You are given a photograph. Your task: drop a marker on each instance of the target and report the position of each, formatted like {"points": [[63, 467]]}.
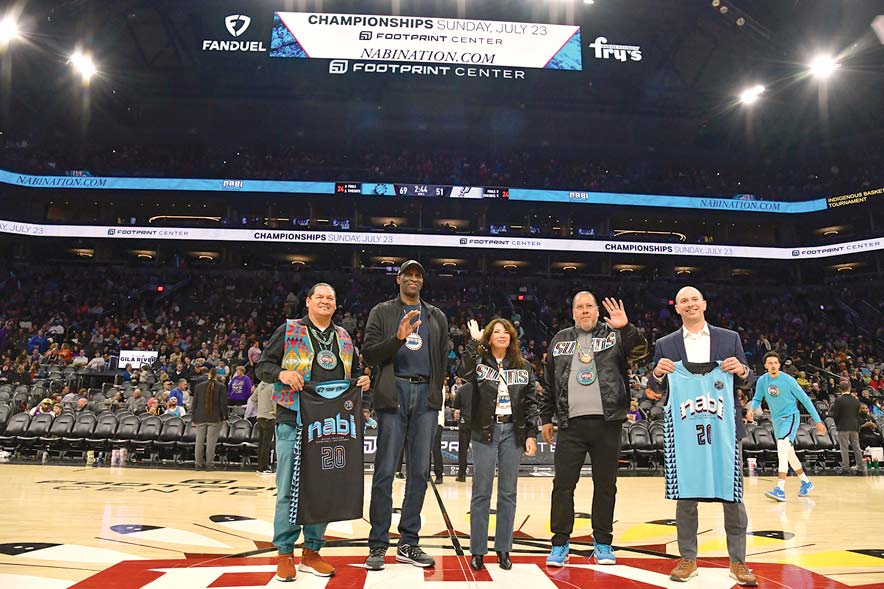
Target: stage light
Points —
{"points": [[8, 30], [822, 66], [750, 95], [83, 65]]}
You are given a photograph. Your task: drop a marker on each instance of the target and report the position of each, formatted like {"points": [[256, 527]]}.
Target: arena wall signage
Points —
{"points": [[429, 40], [507, 244], [428, 191], [137, 358]]}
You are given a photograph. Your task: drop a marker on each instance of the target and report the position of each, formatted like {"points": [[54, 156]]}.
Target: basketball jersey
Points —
{"points": [[331, 470], [701, 450]]}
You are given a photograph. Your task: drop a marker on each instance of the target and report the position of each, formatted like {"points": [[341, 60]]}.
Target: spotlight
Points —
{"points": [[750, 95], [822, 66], [8, 30], [741, 21], [83, 65]]}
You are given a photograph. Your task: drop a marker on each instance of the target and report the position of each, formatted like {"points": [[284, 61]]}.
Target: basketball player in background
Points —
{"points": [[699, 342], [782, 392]]}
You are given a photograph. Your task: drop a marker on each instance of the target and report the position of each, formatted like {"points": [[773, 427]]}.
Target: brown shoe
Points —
{"points": [[311, 562], [686, 569], [285, 567], [743, 575]]}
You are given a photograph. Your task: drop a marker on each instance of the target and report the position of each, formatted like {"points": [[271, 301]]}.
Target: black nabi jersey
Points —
{"points": [[331, 474]]}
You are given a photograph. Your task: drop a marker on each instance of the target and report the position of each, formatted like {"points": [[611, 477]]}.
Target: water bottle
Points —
{"points": [[124, 456], [115, 457], [90, 457], [45, 457], [99, 460], [753, 467]]}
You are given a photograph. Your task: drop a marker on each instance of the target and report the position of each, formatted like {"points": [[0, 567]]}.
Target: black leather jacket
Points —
{"points": [[380, 344], [612, 353], [480, 369]]}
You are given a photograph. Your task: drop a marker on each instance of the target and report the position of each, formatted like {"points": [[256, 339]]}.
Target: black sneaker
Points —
{"points": [[414, 555], [375, 560]]}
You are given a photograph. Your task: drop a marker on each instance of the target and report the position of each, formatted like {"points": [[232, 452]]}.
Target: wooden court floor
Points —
{"points": [[85, 527]]}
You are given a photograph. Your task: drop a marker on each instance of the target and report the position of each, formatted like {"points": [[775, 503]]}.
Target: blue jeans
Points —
{"points": [[285, 534], [414, 425], [503, 452]]}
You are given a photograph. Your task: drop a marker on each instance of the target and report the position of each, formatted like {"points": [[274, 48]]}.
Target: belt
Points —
{"points": [[415, 379], [503, 418]]}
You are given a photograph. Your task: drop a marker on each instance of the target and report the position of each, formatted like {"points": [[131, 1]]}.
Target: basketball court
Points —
{"points": [[132, 528]]}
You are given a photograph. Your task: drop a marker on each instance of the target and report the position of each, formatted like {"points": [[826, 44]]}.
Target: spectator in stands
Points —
{"points": [[22, 376], [869, 434], [209, 412], [154, 407], [37, 342], [67, 395], [178, 393], [97, 363], [45, 406], [240, 387], [222, 372], [876, 381], [370, 422], [83, 406], [172, 408], [57, 409], [137, 403], [127, 373], [80, 360], [634, 414], [845, 411], [118, 402]]}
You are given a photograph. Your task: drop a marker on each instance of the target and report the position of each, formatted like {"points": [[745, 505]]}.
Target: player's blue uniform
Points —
{"points": [[702, 457], [782, 395]]}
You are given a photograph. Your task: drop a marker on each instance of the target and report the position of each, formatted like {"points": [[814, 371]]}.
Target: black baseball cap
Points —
{"points": [[406, 266]]}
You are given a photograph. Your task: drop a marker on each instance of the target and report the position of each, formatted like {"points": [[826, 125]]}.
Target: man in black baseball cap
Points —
{"points": [[406, 343]]}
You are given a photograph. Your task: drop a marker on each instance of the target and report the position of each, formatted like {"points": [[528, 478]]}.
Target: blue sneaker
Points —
{"points": [[604, 554], [558, 556], [805, 489], [776, 494]]}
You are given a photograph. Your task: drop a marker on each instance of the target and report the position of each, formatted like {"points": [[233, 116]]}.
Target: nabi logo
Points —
{"points": [[232, 20]]}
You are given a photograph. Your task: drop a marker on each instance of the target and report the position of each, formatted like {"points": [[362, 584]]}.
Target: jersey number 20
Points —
{"points": [[704, 434]]}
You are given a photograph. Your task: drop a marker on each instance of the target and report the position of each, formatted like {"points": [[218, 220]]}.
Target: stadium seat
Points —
{"points": [[805, 447], [656, 413], [61, 427], [642, 446], [105, 430], [38, 428], [142, 446], [234, 444], [626, 453], [5, 412], [187, 442], [75, 440], [765, 451], [166, 446], [17, 426]]}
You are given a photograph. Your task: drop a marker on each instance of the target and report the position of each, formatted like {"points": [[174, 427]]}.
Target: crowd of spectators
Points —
{"points": [[53, 319], [772, 181]]}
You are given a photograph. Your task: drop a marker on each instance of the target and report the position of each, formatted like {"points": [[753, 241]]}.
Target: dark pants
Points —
{"points": [[412, 425], [265, 442], [602, 440], [437, 453], [463, 448]]}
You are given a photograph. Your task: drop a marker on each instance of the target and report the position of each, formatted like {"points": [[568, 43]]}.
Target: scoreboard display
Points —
{"points": [[425, 190]]}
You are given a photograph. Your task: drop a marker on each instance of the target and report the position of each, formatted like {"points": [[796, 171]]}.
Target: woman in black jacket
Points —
{"points": [[209, 407], [504, 424]]}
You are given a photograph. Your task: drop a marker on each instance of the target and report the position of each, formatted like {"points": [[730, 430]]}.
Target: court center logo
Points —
{"points": [[231, 23]]}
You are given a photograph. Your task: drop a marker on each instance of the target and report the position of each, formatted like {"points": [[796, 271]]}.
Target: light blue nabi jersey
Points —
{"points": [[701, 450]]}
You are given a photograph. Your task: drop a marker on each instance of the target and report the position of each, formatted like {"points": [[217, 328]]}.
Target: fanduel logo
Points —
{"points": [[332, 426], [231, 21], [236, 24]]}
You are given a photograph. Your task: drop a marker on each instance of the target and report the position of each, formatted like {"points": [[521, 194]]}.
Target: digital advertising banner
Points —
{"points": [[407, 39]]}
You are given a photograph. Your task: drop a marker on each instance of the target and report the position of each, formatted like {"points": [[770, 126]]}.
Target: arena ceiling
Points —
{"points": [[155, 83]]}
